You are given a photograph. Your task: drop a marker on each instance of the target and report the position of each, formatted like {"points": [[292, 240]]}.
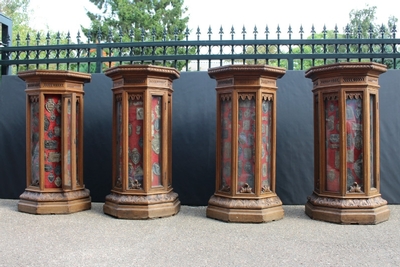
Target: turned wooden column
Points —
{"points": [[346, 144], [246, 144], [142, 149], [54, 142]]}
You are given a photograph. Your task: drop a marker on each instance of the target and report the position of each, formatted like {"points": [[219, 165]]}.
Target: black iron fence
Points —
{"points": [[94, 55]]}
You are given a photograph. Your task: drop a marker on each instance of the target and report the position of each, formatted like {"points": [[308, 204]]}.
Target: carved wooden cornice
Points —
{"points": [[57, 74], [142, 69], [346, 68], [248, 69]]}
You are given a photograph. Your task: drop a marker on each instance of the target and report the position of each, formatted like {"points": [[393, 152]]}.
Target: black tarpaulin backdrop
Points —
{"points": [[193, 155]]}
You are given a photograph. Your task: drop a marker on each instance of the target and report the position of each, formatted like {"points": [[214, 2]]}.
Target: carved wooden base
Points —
{"points": [[245, 210], [55, 202], [347, 211], [141, 207]]}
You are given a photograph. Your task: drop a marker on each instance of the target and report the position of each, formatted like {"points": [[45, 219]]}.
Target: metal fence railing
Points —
{"points": [[94, 55]]}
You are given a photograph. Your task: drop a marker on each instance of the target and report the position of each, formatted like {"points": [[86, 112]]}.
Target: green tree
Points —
{"points": [[140, 20], [362, 23], [133, 18], [18, 12]]}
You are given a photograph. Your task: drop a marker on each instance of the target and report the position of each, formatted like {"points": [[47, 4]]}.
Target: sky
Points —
{"points": [[64, 16]]}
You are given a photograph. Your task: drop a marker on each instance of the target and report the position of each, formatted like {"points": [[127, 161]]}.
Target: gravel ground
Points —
{"points": [[91, 238]]}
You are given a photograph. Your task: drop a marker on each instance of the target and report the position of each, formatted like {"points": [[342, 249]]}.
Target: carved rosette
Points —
{"points": [[349, 203], [235, 203]]}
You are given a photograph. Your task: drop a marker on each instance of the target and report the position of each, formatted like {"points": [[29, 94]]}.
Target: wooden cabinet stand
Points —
{"points": [[54, 143], [346, 144], [142, 150], [246, 144]]}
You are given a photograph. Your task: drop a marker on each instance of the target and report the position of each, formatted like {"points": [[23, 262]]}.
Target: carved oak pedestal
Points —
{"points": [[54, 143], [246, 144], [142, 149], [346, 144]]}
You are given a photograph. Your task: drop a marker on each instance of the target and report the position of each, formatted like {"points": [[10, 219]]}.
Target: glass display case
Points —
{"points": [[346, 144], [54, 151], [246, 144]]}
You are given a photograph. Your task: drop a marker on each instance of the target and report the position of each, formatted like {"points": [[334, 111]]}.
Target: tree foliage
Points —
{"points": [[18, 12], [362, 24], [139, 20], [136, 20]]}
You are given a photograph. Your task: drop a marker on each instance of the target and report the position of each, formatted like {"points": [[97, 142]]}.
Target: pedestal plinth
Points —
{"points": [[54, 143], [346, 144], [142, 149], [246, 144]]}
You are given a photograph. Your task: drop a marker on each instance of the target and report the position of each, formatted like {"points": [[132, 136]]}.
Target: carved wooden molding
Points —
{"points": [[230, 203], [267, 97], [52, 85], [268, 82], [118, 83], [225, 82], [55, 196], [349, 203], [135, 81], [74, 86], [34, 98], [332, 96], [346, 66], [173, 73], [329, 81], [141, 199], [118, 97], [246, 96], [157, 82], [247, 82], [247, 68], [52, 73], [373, 80], [133, 97], [354, 96], [225, 97], [353, 79], [33, 85]]}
